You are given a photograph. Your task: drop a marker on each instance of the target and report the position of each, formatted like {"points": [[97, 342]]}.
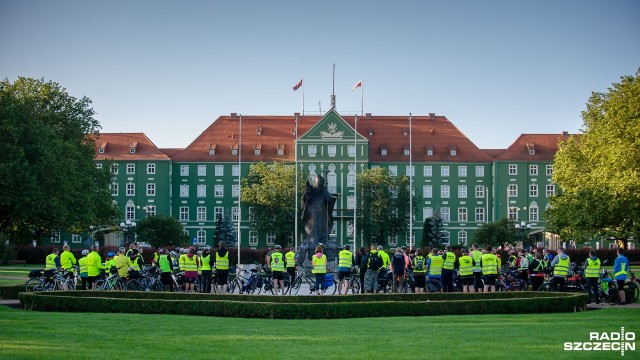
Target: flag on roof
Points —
{"points": [[357, 85], [297, 86]]}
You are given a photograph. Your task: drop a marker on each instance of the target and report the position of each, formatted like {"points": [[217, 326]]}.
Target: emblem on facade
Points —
{"points": [[332, 133]]}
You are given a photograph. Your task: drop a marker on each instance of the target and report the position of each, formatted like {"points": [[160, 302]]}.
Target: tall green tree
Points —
{"points": [[433, 231], [225, 231], [497, 233], [269, 190], [161, 231], [47, 175], [599, 169], [383, 205]]}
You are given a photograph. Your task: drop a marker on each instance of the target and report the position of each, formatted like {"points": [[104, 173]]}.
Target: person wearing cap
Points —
{"points": [[122, 263], [136, 260], [84, 275], [109, 262], [222, 268], [275, 262], [466, 271], [345, 262]]}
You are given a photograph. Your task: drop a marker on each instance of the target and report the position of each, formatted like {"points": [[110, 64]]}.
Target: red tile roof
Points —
{"points": [[171, 152], [545, 146], [117, 146], [494, 153], [436, 132]]}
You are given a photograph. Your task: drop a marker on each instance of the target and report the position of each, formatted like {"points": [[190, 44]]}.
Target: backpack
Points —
{"points": [[375, 261], [419, 264]]}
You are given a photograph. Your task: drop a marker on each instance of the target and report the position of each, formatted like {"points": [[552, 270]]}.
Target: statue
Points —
{"points": [[317, 213]]}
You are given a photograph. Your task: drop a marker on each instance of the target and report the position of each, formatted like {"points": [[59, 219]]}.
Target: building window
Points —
{"points": [[462, 214], [130, 212], [332, 181], [312, 150], [101, 150], [212, 151], [406, 151], [55, 237], [201, 237], [462, 238], [411, 170], [184, 213], [257, 150], [151, 210], [219, 191], [202, 170], [383, 151], [201, 213], [462, 191], [479, 171], [427, 171], [393, 240], [235, 191], [218, 213], [99, 166], [234, 213], [184, 190], [253, 238], [480, 215], [513, 213], [462, 171], [151, 169], [219, 170], [131, 189], [331, 150], [427, 191], [351, 150], [393, 170], [445, 214], [444, 191], [114, 189], [351, 202], [114, 169], [479, 191], [351, 179], [427, 212], [280, 152], [252, 216], [533, 170], [533, 213], [151, 189], [533, 190], [444, 171], [551, 190], [75, 239], [513, 169], [235, 170], [271, 238], [184, 170], [513, 190], [131, 169], [549, 170], [201, 191]]}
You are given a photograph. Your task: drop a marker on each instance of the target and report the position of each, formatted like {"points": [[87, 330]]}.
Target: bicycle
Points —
{"points": [[306, 275], [113, 282], [354, 283], [39, 281], [433, 284]]}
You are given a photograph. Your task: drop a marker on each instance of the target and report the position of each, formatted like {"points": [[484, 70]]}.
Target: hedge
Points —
{"points": [[305, 307], [10, 292]]}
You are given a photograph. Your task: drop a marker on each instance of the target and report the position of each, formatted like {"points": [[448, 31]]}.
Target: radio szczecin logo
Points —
{"points": [[605, 341]]}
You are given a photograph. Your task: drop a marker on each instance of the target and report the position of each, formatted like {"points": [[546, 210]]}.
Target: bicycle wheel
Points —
{"points": [[500, 287], [295, 287], [33, 284], [545, 287], [331, 289], [630, 292], [100, 285], [49, 285], [133, 285], [355, 286], [120, 285]]}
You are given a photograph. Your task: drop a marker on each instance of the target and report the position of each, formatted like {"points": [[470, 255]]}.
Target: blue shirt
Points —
{"points": [[617, 266]]}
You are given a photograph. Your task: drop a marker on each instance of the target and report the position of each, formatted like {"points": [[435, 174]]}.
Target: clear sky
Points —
{"points": [[496, 69]]}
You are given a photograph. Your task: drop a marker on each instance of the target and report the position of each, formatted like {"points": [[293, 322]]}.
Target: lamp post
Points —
{"points": [[126, 227], [523, 228]]}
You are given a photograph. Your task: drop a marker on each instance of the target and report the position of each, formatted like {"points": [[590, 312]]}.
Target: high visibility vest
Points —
{"points": [[190, 263], [512, 261], [134, 263], [450, 259], [205, 263], [50, 262], [319, 265], [222, 262], [623, 270], [94, 264], [423, 261], [489, 264], [562, 267], [345, 259], [436, 265], [108, 264], [67, 260], [165, 263], [477, 256], [181, 262], [466, 265], [82, 263], [277, 261], [291, 259], [123, 264], [593, 268], [524, 264], [540, 267]]}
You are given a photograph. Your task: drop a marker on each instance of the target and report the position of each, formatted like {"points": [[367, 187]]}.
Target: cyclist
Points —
{"points": [[373, 267], [190, 267], [419, 264], [82, 263], [290, 262], [523, 266], [398, 268], [537, 269], [122, 263], [53, 260], [166, 265], [490, 268], [434, 266], [620, 270], [513, 260], [205, 270], [94, 265], [110, 261], [592, 273], [320, 264], [132, 246], [362, 260], [466, 270], [67, 260], [345, 262], [560, 265], [222, 267], [275, 262], [136, 259], [477, 269], [447, 269]]}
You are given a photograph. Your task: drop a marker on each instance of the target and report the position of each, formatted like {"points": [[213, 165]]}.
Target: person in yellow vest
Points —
{"points": [[345, 262], [94, 265], [52, 261], [434, 268], [447, 270], [560, 265], [166, 266], [275, 262], [222, 268], [513, 260], [110, 262], [320, 264], [205, 270], [490, 269], [419, 264], [477, 269], [290, 263], [537, 269], [466, 271], [67, 261], [132, 246], [136, 260], [82, 263], [122, 263], [190, 267]]}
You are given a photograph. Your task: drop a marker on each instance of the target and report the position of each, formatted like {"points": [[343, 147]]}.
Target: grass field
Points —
{"points": [[38, 335]]}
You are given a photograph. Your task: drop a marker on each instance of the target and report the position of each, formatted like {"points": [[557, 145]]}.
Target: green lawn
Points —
{"points": [[36, 335]]}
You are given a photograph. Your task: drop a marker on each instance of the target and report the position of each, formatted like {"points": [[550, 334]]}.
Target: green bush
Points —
{"points": [[10, 292], [304, 307]]}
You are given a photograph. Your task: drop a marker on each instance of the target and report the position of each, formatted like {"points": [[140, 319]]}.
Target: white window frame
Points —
{"points": [[411, 170], [480, 215], [533, 170], [427, 171], [393, 170], [480, 191], [201, 190], [462, 191], [201, 237], [234, 214], [98, 165], [534, 213], [151, 210], [201, 213], [445, 214], [445, 191], [114, 169], [218, 191], [129, 212], [184, 191], [533, 190], [479, 171], [184, 213], [513, 191], [202, 170], [332, 150], [351, 202], [235, 170], [462, 171], [513, 169], [462, 237], [271, 238], [151, 189], [219, 170], [76, 239], [131, 189], [151, 168], [253, 238], [427, 212], [549, 171], [184, 170], [427, 191], [444, 171], [550, 190], [114, 189], [218, 210], [463, 214], [351, 150], [131, 169], [312, 150], [235, 191]]}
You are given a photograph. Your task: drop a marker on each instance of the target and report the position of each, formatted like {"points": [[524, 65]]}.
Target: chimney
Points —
{"points": [[565, 134], [296, 115], [432, 116], [234, 116], [367, 115]]}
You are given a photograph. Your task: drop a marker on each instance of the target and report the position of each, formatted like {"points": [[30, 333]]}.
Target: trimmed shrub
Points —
{"points": [[10, 292]]}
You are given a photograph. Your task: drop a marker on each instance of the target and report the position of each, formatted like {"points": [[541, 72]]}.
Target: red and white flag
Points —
{"points": [[357, 85], [298, 85]]}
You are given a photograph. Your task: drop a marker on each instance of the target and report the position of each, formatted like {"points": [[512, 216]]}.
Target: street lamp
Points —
{"points": [[126, 226], [523, 228]]}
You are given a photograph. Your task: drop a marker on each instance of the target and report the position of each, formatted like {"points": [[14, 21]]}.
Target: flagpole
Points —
{"points": [[239, 187], [355, 183], [361, 97], [295, 218], [410, 185], [302, 111]]}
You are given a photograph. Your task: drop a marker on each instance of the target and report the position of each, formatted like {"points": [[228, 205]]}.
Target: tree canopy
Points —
{"points": [[161, 231], [598, 171], [48, 176], [497, 233], [433, 231]]}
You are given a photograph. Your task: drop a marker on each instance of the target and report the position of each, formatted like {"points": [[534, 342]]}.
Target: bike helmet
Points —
{"points": [[173, 253], [347, 247], [160, 251], [85, 252], [111, 254]]}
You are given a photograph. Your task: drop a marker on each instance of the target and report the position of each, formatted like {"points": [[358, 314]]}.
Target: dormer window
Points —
{"points": [[429, 150], [383, 150], [102, 148], [234, 149], [405, 131], [453, 150], [132, 147], [257, 148], [259, 130], [532, 148], [280, 149], [370, 131], [405, 150], [212, 149]]}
